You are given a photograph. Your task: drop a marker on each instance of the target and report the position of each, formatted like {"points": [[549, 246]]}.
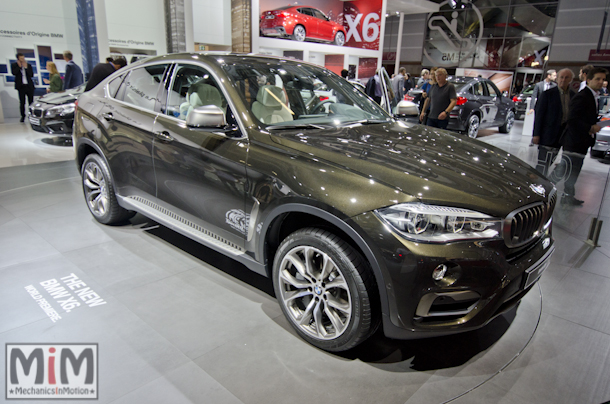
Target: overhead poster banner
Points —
{"points": [[356, 24]]}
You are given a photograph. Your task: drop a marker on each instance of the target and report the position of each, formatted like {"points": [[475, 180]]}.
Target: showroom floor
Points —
{"points": [[179, 323]]}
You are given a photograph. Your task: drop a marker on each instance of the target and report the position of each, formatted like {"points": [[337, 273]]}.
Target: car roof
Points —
{"points": [[464, 79], [218, 57]]}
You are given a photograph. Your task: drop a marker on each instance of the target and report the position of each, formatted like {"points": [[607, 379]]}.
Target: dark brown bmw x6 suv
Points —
{"points": [[359, 219]]}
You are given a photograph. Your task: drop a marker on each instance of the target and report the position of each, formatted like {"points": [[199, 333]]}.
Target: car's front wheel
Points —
{"points": [[473, 126], [340, 38], [508, 124], [99, 192], [299, 33], [325, 289]]}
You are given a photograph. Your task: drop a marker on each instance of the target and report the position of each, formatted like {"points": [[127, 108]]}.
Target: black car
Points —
{"points": [[53, 113], [520, 101], [480, 105], [357, 218]]}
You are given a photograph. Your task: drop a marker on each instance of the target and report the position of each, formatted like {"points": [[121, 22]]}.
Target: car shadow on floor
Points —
{"points": [[421, 354]]}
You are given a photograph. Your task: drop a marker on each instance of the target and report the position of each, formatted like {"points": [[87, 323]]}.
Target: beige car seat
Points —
{"points": [[200, 94], [269, 107]]}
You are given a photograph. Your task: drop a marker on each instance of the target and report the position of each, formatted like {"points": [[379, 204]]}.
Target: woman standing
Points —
{"points": [[55, 83]]}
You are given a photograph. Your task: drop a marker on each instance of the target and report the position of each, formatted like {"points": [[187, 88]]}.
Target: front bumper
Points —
{"points": [[483, 280], [54, 126]]}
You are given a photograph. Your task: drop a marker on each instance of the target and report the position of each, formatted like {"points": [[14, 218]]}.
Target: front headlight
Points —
{"points": [[60, 110], [439, 224]]}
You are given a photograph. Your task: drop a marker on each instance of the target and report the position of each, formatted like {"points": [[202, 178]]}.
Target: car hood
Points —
{"points": [[428, 164], [65, 97]]}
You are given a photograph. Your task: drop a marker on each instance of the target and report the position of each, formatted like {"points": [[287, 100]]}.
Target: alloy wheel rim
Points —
{"points": [[510, 121], [315, 293], [473, 127], [96, 190], [300, 33], [340, 39]]}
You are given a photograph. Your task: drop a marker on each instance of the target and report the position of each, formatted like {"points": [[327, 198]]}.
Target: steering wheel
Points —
{"points": [[318, 108]]}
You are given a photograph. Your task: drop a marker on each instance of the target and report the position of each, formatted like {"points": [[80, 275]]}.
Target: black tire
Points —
{"points": [[299, 34], [99, 192], [334, 311], [339, 38], [508, 124]]}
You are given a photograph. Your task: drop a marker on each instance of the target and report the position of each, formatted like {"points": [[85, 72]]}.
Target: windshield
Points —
{"points": [[281, 93]]}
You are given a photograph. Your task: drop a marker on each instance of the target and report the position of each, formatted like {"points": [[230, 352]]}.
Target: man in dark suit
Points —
{"points": [[24, 83], [539, 88], [551, 118], [103, 70], [580, 132], [74, 75]]}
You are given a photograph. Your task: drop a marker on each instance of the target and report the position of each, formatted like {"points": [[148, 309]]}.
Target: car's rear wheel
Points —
{"points": [[510, 121], [99, 192], [473, 126], [325, 289], [339, 38], [299, 33]]}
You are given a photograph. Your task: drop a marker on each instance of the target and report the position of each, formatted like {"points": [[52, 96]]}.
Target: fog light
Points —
{"points": [[439, 272]]}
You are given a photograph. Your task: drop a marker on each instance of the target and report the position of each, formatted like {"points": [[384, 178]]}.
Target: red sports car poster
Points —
{"points": [[351, 23]]}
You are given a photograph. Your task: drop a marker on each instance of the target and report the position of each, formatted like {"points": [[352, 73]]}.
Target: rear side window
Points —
{"points": [[477, 89], [142, 86], [113, 86]]}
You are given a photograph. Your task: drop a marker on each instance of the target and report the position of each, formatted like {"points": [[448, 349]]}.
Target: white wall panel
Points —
{"points": [[136, 24], [212, 22]]}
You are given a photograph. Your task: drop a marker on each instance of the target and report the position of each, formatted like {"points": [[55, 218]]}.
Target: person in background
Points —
{"points": [[344, 73], [373, 88], [442, 98], [54, 81], [547, 83], [74, 74], [24, 82], [551, 119], [584, 72], [398, 85], [580, 132], [103, 70], [425, 75], [425, 91], [408, 84], [604, 89]]}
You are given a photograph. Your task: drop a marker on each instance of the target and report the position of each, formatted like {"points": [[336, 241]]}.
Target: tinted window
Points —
{"points": [[305, 11], [142, 86], [318, 14], [192, 87]]}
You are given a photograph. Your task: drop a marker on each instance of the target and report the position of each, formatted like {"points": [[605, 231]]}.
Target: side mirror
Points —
{"points": [[208, 116]]}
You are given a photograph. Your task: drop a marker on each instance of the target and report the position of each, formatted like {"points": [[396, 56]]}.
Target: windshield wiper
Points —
{"points": [[299, 126], [365, 122]]}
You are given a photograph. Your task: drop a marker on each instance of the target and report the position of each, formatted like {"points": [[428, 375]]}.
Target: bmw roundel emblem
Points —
{"points": [[539, 189]]}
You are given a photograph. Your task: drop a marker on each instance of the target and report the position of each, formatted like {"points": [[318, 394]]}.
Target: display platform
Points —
{"points": [[175, 320]]}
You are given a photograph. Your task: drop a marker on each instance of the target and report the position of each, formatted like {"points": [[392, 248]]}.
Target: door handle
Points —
{"points": [[107, 116], [164, 136]]}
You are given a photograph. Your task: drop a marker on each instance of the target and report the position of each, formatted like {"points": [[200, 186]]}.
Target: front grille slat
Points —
{"points": [[527, 222]]}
